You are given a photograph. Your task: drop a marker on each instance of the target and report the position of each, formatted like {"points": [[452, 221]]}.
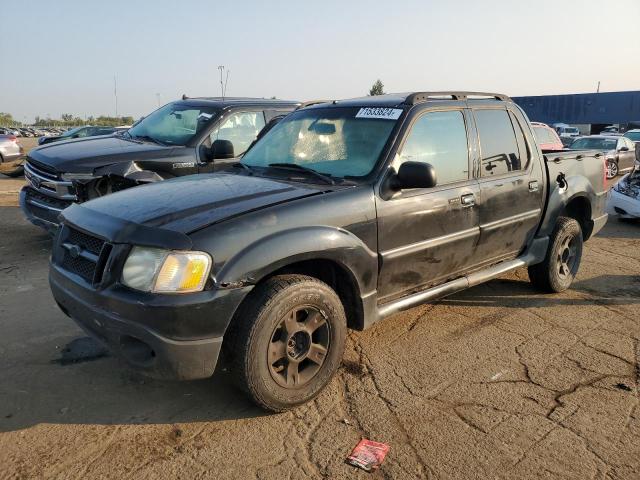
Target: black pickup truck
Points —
{"points": [[193, 135], [344, 213]]}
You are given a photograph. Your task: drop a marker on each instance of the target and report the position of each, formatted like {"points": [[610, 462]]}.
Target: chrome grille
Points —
{"points": [[47, 182]]}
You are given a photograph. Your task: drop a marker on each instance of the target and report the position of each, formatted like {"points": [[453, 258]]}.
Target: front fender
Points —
{"points": [[308, 243]]}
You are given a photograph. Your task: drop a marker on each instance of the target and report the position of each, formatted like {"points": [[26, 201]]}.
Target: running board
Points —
{"points": [[535, 255]]}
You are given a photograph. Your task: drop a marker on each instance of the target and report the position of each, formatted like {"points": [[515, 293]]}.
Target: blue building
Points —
{"points": [[595, 109]]}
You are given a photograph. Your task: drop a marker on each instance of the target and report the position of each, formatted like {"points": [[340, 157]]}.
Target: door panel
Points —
{"points": [[512, 193], [425, 238]]}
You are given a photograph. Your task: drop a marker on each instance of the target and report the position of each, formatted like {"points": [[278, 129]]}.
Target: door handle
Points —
{"points": [[468, 200], [533, 186]]}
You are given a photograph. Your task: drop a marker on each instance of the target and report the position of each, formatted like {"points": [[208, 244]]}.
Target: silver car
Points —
{"points": [[11, 156]]}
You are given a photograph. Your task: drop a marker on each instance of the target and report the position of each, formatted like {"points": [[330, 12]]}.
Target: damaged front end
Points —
{"points": [[109, 179], [624, 197]]}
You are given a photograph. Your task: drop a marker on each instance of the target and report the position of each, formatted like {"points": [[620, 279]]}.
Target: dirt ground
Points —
{"points": [[496, 382]]}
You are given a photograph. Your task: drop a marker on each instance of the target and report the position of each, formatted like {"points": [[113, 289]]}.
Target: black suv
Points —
{"points": [[193, 135], [342, 214]]}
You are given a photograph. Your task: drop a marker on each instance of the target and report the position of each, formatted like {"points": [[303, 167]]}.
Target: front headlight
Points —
{"points": [[166, 271]]}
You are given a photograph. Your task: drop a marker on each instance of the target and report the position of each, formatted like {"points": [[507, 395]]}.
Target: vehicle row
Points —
{"points": [[32, 131]]}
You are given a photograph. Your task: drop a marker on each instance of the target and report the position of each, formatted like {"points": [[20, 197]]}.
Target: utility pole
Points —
{"points": [[115, 93]]}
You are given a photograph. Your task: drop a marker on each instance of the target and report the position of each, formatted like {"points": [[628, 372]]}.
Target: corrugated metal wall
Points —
{"points": [[584, 108]]}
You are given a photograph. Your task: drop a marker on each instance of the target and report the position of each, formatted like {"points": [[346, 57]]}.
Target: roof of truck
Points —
{"points": [[237, 101], [413, 98]]}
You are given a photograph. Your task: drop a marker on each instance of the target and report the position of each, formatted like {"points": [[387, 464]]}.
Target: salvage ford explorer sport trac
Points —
{"points": [[342, 214]]}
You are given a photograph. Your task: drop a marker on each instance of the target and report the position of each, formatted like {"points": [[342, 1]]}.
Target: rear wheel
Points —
{"points": [[287, 341], [560, 266], [612, 169]]}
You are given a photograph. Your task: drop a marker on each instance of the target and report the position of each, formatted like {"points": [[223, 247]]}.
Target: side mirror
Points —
{"points": [[222, 149], [416, 175]]}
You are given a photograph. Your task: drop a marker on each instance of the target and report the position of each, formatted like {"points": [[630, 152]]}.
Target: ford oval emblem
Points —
{"points": [[74, 251]]}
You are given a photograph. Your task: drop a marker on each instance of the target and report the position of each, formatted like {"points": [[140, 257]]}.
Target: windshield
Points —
{"points": [[635, 136], [594, 143], [174, 124], [341, 142]]}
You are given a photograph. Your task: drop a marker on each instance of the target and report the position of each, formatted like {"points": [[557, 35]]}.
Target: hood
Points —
{"points": [[189, 203], [86, 154]]}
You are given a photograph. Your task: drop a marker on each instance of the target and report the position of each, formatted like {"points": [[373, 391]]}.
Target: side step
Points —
{"points": [[535, 255]]}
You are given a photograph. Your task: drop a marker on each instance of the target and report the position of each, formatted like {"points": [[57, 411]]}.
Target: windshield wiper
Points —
{"points": [[300, 168], [150, 139], [242, 165]]}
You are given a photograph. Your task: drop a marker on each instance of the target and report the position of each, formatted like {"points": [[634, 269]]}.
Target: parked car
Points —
{"points": [[610, 130], [78, 132], [633, 135], [619, 151], [194, 135], [546, 137], [11, 154], [624, 197], [565, 130], [341, 215]]}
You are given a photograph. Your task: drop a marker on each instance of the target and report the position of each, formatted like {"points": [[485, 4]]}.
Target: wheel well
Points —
{"points": [[339, 278], [579, 209]]}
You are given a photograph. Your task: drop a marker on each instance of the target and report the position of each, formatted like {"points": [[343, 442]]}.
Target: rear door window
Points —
{"points": [[498, 143]]}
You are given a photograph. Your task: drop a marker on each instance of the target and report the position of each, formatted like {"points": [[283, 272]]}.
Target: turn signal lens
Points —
{"points": [[183, 272]]}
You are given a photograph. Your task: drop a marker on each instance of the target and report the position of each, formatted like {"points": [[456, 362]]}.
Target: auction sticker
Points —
{"points": [[382, 113]]}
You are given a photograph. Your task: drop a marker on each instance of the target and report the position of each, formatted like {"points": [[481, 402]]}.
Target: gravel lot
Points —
{"points": [[496, 382]]}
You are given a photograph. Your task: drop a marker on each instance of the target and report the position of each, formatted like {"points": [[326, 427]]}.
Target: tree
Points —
{"points": [[6, 119], [377, 88]]}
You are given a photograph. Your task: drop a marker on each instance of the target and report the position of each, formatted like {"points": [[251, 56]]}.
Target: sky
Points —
{"points": [[61, 57]]}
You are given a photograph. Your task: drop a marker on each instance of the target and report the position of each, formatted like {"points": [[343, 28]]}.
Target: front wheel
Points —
{"points": [[560, 266], [612, 169], [287, 341]]}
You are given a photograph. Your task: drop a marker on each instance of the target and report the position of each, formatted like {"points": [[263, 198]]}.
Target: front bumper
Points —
{"points": [[173, 337], [41, 210], [623, 205]]}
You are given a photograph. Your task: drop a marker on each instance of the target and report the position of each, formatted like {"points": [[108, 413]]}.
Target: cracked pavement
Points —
{"points": [[495, 382]]}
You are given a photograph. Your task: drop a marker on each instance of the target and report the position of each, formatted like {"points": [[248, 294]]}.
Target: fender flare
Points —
{"points": [[276, 251], [577, 186]]}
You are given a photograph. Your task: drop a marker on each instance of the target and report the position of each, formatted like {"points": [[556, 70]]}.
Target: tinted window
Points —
{"points": [[240, 128], [439, 138], [498, 143]]}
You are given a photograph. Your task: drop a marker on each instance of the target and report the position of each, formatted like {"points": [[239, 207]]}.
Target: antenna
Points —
{"points": [[598, 90], [158, 98], [225, 84]]}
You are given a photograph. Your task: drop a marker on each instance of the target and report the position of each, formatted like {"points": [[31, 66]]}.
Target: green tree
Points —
{"points": [[377, 88], [6, 119]]}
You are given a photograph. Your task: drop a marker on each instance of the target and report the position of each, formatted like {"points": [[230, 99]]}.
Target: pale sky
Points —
{"points": [[60, 57]]}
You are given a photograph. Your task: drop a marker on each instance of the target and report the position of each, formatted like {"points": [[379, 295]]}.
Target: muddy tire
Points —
{"points": [[560, 266], [286, 341]]}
